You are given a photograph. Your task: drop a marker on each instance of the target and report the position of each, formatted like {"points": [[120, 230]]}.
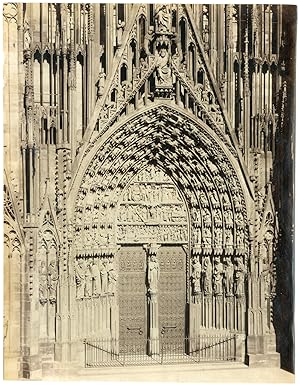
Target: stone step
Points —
{"points": [[270, 359]]}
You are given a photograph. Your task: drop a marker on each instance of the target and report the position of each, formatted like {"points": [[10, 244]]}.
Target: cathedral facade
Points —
{"points": [[148, 184]]}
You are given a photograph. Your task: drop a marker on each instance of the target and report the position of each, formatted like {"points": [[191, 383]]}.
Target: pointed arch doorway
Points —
{"points": [[152, 230]]}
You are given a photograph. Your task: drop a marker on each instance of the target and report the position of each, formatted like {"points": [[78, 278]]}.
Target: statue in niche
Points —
{"points": [[212, 167], [206, 236], [228, 272], [225, 200], [27, 36], [112, 278], [214, 198], [196, 276], [100, 83], [59, 200], [237, 200], [43, 287], [218, 276], [228, 217], [218, 217], [96, 281], [218, 233], [120, 30], [207, 275], [80, 279], [153, 274], [228, 238], [163, 18], [52, 281], [148, 40], [104, 276], [88, 280], [240, 238], [206, 216], [203, 198], [239, 219], [240, 272], [164, 75]]}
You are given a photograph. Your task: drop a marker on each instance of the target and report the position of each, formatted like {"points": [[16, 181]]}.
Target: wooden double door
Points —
{"points": [[133, 301]]}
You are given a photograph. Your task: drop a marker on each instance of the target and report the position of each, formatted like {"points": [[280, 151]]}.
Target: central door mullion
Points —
{"points": [[153, 273]]}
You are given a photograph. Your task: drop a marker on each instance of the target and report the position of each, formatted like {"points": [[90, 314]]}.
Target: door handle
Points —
{"points": [[136, 329], [164, 328]]}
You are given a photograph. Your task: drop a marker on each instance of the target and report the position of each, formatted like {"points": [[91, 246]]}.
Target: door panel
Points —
{"points": [[172, 298], [132, 298]]}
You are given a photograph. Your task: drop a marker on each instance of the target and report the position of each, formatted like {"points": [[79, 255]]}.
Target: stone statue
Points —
{"points": [[96, 284], [153, 275], [218, 233], [206, 236], [27, 36], [80, 279], [88, 280], [43, 287], [104, 277], [163, 18], [240, 272], [228, 217], [52, 281], [112, 278], [229, 270], [164, 75], [196, 276], [100, 83], [218, 276], [207, 276], [240, 238], [228, 238], [59, 200], [148, 39], [120, 30]]}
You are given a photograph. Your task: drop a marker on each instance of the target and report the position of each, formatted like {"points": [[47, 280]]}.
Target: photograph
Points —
{"points": [[149, 192]]}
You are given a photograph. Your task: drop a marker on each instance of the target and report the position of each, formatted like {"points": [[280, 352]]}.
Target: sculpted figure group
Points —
{"points": [[95, 277], [218, 278]]}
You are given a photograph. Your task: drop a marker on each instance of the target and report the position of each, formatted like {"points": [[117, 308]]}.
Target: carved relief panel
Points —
{"points": [[151, 210]]}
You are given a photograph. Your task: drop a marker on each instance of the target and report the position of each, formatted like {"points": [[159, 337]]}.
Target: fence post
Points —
{"points": [[85, 354], [162, 349]]}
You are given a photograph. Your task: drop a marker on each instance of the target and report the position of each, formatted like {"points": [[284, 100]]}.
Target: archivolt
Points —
{"points": [[190, 154]]}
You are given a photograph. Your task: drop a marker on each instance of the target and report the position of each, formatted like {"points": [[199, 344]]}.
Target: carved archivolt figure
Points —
{"points": [[207, 275], [153, 275], [218, 277], [80, 279], [52, 281], [240, 272], [196, 276], [43, 288]]}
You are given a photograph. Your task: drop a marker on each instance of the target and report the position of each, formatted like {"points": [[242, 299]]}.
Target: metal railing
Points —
{"points": [[112, 352]]}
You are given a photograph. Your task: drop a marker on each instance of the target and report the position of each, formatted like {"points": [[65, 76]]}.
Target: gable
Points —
{"points": [[165, 61]]}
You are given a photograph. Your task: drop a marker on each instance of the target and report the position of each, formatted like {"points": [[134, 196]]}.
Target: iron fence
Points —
{"points": [[112, 352]]}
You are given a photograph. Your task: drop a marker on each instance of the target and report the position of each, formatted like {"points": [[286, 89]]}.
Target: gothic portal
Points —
{"points": [[145, 216]]}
